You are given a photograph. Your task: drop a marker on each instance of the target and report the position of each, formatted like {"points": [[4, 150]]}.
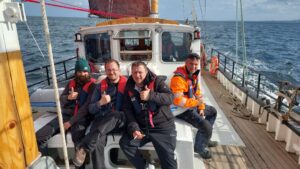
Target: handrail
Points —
{"points": [[253, 86], [45, 68]]}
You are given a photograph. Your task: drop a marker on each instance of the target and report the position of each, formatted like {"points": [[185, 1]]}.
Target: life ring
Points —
{"points": [[214, 65]]}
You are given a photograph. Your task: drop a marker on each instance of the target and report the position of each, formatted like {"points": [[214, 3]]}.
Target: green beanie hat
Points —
{"points": [[82, 65]]}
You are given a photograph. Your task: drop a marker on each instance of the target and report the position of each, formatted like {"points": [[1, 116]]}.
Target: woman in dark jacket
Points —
{"points": [[147, 107]]}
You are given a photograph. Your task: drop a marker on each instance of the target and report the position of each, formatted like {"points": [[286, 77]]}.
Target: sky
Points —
{"points": [[217, 10]]}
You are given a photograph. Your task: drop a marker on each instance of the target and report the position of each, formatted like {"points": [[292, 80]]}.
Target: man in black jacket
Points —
{"points": [[146, 105]]}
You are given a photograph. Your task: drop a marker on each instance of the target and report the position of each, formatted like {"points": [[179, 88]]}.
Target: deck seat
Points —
{"points": [[184, 145]]}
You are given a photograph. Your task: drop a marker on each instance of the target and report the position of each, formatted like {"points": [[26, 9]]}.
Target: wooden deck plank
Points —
{"points": [[261, 151]]}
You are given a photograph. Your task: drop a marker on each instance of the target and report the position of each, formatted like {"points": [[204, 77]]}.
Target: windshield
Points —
{"points": [[97, 47], [175, 46], [135, 44]]}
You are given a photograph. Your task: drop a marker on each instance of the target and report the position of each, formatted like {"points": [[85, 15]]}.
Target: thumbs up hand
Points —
{"points": [[105, 98], [145, 94], [72, 95]]}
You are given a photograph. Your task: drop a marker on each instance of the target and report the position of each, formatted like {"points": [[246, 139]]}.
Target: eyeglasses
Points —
{"points": [[111, 70]]}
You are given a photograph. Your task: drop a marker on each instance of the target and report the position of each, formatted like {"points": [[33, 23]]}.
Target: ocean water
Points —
{"points": [[273, 48]]}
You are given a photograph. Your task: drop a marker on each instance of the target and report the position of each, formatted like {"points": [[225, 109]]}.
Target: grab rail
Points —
{"points": [[45, 69], [254, 82]]}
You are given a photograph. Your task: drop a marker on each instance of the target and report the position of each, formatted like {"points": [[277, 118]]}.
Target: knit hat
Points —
{"points": [[82, 65]]}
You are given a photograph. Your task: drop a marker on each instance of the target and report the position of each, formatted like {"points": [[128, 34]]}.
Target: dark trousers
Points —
{"points": [[52, 128], [95, 140], [164, 142], [204, 125]]}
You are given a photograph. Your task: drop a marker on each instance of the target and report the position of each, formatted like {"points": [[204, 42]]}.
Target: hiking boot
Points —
{"points": [[79, 158], [205, 154], [212, 143]]}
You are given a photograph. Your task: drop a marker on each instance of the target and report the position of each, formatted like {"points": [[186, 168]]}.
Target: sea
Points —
{"points": [[273, 47]]}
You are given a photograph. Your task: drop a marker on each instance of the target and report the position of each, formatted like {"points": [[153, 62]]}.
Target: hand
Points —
{"points": [[105, 98], [201, 113], [145, 94], [72, 95], [67, 125], [138, 135], [200, 99]]}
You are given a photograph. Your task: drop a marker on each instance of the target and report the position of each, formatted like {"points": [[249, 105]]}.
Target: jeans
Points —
{"points": [[204, 125]]}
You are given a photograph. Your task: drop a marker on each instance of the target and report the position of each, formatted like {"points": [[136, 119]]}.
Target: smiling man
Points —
{"points": [[106, 106], [186, 88], [74, 100], [149, 119]]}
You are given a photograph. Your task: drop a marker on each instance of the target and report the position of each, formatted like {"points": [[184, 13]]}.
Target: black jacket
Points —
{"points": [[161, 96], [69, 106]]}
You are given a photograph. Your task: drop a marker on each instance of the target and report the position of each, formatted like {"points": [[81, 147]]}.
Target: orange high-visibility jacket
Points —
{"points": [[186, 89]]}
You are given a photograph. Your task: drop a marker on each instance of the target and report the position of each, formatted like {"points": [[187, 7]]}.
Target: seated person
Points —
{"points": [[186, 88], [74, 100], [169, 53], [149, 119], [105, 105]]}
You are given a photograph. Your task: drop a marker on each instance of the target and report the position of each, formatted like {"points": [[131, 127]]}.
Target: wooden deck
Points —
{"points": [[261, 151]]}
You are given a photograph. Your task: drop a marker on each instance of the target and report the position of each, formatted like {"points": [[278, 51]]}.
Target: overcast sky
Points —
{"points": [[181, 9]]}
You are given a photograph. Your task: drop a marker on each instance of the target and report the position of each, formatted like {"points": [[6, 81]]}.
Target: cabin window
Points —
{"points": [[135, 44], [97, 47], [175, 46]]}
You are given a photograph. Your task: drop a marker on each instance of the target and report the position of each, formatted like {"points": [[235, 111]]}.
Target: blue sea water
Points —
{"points": [[273, 48]]}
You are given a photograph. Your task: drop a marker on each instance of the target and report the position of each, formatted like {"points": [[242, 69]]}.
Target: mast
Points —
{"points": [[17, 137], [154, 9]]}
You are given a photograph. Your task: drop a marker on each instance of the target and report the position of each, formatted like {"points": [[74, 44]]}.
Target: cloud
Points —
{"points": [[272, 9]]}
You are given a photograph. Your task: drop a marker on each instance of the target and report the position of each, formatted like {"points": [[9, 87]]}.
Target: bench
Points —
{"points": [[184, 145]]}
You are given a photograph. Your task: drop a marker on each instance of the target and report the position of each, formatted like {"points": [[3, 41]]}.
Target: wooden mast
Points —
{"points": [[154, 9], [17, 137]]}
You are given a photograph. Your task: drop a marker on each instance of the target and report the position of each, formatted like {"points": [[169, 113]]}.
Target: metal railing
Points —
{"points": [[46, 80], [250, 80]]}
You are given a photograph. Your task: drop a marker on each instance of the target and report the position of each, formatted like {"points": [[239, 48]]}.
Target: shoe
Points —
{"points": [[205, 154], [212, 143], [79, 158]]}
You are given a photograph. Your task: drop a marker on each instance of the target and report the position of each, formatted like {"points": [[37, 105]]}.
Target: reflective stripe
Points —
{"points": [[178, 95], [183, 101]]}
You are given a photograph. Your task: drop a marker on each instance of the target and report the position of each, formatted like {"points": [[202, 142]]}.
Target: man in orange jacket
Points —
{"points": [[186, 88]]}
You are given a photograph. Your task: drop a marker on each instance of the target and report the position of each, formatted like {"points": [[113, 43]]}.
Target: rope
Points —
{"points": [[51, 61], [67, 4], [239, 8], [194, 14], [236, 32], [37, 45], [95, 12]]}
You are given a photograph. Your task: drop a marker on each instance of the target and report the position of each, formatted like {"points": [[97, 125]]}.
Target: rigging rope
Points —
{"points": [[51, 61], [194, 14], [95, 12], [239, 8], [37, 45], [203, 14], [66, 4]]}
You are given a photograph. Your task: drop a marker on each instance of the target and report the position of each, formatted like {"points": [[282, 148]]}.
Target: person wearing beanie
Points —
{"points": [[74, 102], [82, 65]]}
